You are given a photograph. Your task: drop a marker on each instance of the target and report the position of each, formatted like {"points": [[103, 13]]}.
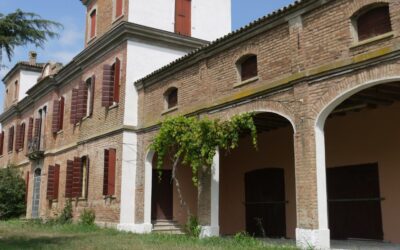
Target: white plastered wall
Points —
{"points": [[27, 80]]}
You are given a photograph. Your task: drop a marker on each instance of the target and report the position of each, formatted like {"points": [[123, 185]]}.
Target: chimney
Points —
{"points": [[32, 57]]}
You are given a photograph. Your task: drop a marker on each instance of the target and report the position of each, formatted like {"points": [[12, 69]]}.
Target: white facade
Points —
{"points": [[27, 80], [211, 19]]}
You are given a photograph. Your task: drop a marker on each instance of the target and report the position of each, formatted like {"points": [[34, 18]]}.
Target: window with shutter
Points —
{"points": [[93, 20], [17, 138], [30, 129], [118, 8], [183, 16], [11, 139], [91, 92], [56, 116], [109, 172], [53, 182], [108, 86], [38, 125], [69, 179], [61, 114], [22, 137], [77, 178], [74, 106], [82, 100], [373, 22], [247, 67], [84, 176], [117, 73], [1, 142]]}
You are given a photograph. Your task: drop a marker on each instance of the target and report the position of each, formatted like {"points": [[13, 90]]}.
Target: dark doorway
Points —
{"points": [[265, 203], [162, 196], [354, 202]]}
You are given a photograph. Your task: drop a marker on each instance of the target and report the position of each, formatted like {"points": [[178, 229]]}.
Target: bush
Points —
{"points": [[192, 227], [245, 240], [87, 217], [12, 193], [66, 215]]}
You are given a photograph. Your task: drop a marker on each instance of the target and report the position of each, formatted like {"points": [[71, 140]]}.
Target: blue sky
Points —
{"points": [[71, 14]]}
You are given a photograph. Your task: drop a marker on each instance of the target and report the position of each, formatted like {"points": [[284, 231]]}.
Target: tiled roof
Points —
{"points": [[36, 66], [230, 36]]}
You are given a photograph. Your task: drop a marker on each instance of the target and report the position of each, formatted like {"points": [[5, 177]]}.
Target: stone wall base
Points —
{"points": [[136, 228], [208, 231], [313, 238]]}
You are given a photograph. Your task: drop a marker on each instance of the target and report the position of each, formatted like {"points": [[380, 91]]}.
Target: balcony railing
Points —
{"points": [[35, 151]]}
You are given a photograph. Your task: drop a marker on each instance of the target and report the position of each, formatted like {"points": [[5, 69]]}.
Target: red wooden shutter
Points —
{"points": [[30, 129], [56, 180], [26, 186], [105, 177], [61, 114], [11, 139], [108, 86], [22, 136], [93, 17], [56, 116], [82, 100], [93, 89], [38, 123], [111, 171], [18, 138], [77, 178], [74, 106], [118, 8], [117, 73], [1, 142], [183, 17], [69, 179], [50, 183], [373, 23]]}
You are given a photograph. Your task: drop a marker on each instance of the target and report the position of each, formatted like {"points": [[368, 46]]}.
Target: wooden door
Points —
{"points": [[265, 203], [162, 196], [354, 202], [36, 193]]}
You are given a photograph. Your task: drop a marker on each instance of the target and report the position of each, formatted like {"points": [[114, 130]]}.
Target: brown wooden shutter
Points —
{"points": [[74, 106], [26, 186], [56, 116], [50, 183], [111, 171], [30, 129], [18, 138], [38, 123], [82, 100], [11, 139], [183, 17], [56, 180], [61, 114], [69, 179], [373, 23], [117, 75], [106, 168], [108, 86], [1, 142], [93, 90], [77, 178], [22, 136]]}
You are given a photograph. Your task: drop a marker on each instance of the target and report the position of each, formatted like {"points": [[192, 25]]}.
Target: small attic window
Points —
{"points": [[171, 98], [247, 67], [92, 21], [373, 22]]}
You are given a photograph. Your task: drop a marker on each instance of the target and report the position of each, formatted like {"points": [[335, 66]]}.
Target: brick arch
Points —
{"points": [[263, 106], [358, 5]]}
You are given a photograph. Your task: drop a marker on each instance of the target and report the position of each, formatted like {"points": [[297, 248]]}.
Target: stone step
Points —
{"points": [[165, 226]]}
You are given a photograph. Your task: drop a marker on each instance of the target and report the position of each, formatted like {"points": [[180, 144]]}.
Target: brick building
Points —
{"points": [[322, 77]]}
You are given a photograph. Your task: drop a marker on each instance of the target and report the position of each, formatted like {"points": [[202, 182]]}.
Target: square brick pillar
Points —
{"points": [[208, 199], [312, 213]]}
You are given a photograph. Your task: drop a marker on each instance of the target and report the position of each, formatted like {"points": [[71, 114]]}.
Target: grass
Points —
{"points": [[16, 234]]}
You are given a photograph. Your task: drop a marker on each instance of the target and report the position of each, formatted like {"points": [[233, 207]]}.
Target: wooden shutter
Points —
{"points": [[109, 171], [26, 186], [50, 183], [183, 17], [117, 74], [74, 106], [93, 17], [61, 114], [22, 136], [77, 178], [93, 89], [11, 139], [69, 179], [108, 86], [56, 116], [106, 168], [18, 138], [249, 68], [38, 123], [82, 100], [118, 8], [373, 23], [30, 129], [1, 142]]}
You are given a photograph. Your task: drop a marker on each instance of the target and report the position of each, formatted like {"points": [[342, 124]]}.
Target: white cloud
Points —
{"points": [[64, 56], [70, 37]]}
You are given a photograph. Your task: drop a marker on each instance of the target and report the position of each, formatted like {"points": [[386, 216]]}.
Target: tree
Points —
{"points": [[21, 28], [12, 193]]}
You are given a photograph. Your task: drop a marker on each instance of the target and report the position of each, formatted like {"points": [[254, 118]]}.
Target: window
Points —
{"points": [[58, 115], [1, 142], [111, 83], [373, 22], [76, 185], [10, 139], [183, 13], [171, 98], [90, 85], [80, 101], [118, 5], [20, 138], [30, 129], [109, 172], [53, 177], [16, 88], [247, 67], [92, 21]]}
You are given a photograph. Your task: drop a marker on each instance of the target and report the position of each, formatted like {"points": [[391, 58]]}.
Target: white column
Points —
{"points": [[213, 229]]}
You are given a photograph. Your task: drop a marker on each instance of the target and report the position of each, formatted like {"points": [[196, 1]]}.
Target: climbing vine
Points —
{"points": [[193, 141]]}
